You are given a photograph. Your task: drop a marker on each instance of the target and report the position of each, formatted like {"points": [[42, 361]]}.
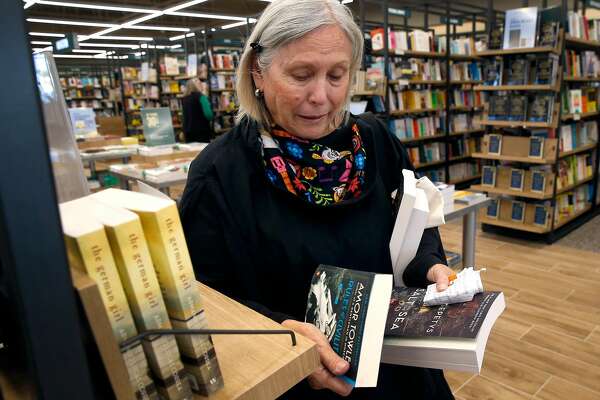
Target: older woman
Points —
{"points": [[299, 182]]}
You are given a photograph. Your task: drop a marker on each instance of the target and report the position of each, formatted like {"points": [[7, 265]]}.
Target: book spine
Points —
{"points": [[172, 262], [91, 254]]}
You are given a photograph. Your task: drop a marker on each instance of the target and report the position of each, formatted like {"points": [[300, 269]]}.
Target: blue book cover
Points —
{"points": [[83, 121]]}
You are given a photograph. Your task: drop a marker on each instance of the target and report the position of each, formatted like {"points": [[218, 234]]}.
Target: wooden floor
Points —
{"points": [[546, 344]]}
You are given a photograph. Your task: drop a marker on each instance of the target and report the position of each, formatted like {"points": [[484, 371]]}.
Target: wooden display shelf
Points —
{"points": [[253, 366], [466, 108], [466, 82], [577, 150], [573, 42], [83, 98], [572, 217], [567, 117], [222, 90], [459, 158], [416, 82], [468, 131], [429, 164], [516, 148], [422, 138], [502, 185], [581, 79], [573, 186], [143, 82], [514, 225], [465, 179], [419, 111], [528, 50], [553, 88], [517, 124]]}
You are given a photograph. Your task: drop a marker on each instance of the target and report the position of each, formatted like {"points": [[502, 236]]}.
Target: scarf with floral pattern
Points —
{"points": [[312, 171]]}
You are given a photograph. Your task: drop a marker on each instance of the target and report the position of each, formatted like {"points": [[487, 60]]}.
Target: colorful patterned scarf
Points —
{"points": [[314, 172]]}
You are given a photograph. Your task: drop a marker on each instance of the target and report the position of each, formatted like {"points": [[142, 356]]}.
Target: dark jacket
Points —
{"points": [[195, 125], [261, 245]]}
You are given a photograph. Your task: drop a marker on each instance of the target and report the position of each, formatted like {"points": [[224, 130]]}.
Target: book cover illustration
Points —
{"points": [[518, 108], [408, 317], [337, 304]]}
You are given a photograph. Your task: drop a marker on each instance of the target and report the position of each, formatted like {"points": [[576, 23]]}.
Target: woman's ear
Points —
{"points": [[257, 75]]}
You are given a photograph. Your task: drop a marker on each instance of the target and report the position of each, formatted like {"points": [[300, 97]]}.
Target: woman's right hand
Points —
{"points": [[331, 364]]}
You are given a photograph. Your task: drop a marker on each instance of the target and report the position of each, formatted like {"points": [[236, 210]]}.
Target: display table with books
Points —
{"points": [[468, 209]]}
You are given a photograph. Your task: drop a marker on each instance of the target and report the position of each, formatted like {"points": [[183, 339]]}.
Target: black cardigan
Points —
{"points": [[260, 244]]}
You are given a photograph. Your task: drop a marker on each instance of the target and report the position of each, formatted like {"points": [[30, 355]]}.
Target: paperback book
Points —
{"points": [[350, 308], [450, 336]]}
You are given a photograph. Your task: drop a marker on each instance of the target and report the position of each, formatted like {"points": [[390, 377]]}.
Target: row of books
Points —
{"points": [[581, 27], [130, 73], [581, 64], [459, 46], [84, 82], [223, 101], [518, 211], [464, 146], [78, 93], [572, 202], [467, 98], [172, 87], [220, 81], [526, 27], [574, 169], [417, 40], [537, 108], [529, 70], [419, 69], [224, 60], [577, 101], [573, 136], [466, 71], [132, 104], [464, 170], [144, 285], [411, 100], [95, 104], [435, 175], [427, 153], [413, 128], [464, 122], [131, 89]]}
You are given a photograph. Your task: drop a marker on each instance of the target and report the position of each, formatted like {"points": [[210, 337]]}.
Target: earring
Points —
{"points": [[258, 93]]}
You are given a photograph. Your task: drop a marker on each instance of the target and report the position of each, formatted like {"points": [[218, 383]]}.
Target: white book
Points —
{"points": [[411, 221], [520, 27]]}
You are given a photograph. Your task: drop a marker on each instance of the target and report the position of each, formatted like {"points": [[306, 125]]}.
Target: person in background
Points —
{"points": [[197, 112], [299, 182]]}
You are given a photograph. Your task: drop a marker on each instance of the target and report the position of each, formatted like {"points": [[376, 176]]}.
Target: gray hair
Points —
{"points": [[282, 22]]}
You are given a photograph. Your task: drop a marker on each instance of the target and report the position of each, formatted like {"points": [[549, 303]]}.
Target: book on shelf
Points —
{"points": [[580, 27], [464, 170], [444, 337], [499, 107], [546, 69], [517, 211], [541, 108], [572, 202], [134, 264], [518, 108], [518, 71], [426, 153], [88, 251], [492, 71], [414, 128], [575, 101], [172, 263], [495, 37], [573, 169], [520, 28], [350, 308], [549, 26]]}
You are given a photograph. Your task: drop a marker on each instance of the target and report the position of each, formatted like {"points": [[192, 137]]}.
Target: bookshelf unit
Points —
{"points": [[445, 85], [221, 66], [91, 87], [569, 164]]}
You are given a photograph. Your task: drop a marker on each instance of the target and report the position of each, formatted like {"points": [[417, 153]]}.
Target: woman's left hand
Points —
{"points": [[439, 274]]}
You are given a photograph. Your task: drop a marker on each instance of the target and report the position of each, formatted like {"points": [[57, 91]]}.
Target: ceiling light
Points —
{"points": [[213, 30], [209, 16], [134, 38], [158, 28], [250, 21], [40, 42], [47, 34], [78, 56], [88, 51], [173, 38], [28, 4], [184, 5], [65, 22], [102, 32], [176, 46], [95, 6], [118, 45]]}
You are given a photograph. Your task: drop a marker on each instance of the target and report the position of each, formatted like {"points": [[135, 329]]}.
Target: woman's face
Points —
{"points": [[306, 84]]}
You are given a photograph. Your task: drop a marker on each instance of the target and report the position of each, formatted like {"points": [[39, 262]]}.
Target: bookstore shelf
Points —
{"points": [[529, 160], [519, 124], [429, 164], [583, 44], [581, 149], [573, 186], [417, 111], [518, 193], [489, 88], [465, 108], [514, 225], [222, 90], [466, 179], [576, 117], [545, 49], [422, 138], [467, 82], [459, 158], [581, 79], [416, 82], [573, 217]]}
